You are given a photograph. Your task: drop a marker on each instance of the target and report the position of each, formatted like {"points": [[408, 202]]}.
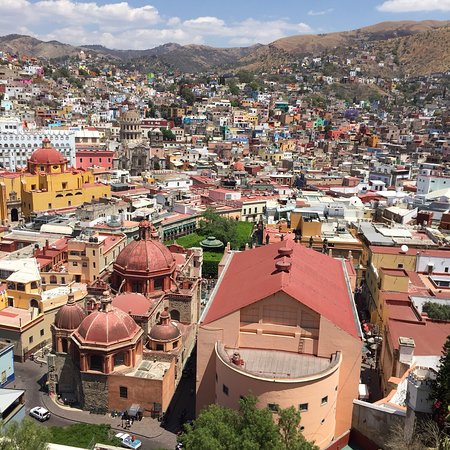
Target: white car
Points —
{"points": [[128, 441], [40, 413]]}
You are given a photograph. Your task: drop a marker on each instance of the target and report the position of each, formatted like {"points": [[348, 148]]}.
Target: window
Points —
{"points": [[64, 184], [225, 389], [49, 206], [96, 363], [123, 392], [303, 407], [119, 359], [324, 400], [85, 264], [30, 340], [274, 407], [160, 347], [158, 283], [93, 265], [42, 332], [400, 266], [75, 263], [446, 269]]}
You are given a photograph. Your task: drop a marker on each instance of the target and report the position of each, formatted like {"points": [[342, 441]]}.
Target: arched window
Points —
{"points": [[34, 303], [64, 345], [175, 314]]}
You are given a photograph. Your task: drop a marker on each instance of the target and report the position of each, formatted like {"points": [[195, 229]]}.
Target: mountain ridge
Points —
{"points": [[198, 58]]}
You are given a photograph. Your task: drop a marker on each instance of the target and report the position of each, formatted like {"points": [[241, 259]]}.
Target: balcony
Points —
{"points": [[275, 365]]}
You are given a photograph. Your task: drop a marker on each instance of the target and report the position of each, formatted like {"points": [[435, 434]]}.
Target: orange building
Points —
{"points": [[287, 332]]}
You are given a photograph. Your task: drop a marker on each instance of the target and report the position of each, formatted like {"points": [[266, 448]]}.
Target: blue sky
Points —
{"points": [[139, 24]]}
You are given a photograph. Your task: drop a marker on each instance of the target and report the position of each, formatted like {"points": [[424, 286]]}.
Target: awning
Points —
{"points": [[134, 410]]}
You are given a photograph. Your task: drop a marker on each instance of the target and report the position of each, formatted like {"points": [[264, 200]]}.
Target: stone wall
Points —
{"points": [[95, 392], [368, 419], [63, 375], [184, 307]]}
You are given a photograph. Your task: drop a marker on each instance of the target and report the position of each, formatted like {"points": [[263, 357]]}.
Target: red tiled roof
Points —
{"points": [[315, 280], [429, 336]]}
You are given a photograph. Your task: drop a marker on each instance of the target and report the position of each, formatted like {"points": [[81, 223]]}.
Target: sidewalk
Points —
{"points": [[146, 428]]}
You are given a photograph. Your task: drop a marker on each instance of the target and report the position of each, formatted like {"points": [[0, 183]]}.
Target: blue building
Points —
{"points": [[12, 405], [6, 363]]}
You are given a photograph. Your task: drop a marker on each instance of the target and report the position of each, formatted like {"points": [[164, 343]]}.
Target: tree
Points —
{"points": [[245, 76], [24, 436], [250, 428], [441, 388], [168, 134], [437, 311], [288, 425], [223, 228], [187, 95]]}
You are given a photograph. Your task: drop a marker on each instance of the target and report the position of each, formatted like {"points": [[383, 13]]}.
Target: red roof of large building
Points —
{"points": [[429, 336], [312, 278]]}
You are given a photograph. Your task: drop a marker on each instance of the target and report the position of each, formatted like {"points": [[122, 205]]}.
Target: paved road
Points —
{"points": [[31, 377]]}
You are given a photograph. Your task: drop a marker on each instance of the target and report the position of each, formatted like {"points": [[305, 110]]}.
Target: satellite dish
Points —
{"points": [[404, 248]]}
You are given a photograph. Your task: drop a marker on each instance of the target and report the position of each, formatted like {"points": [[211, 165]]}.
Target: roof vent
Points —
{"points": [[285, 251], [283, 266]]}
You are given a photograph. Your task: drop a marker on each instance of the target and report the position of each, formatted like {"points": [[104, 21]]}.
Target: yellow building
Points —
{"points": [[48, 184], [386, 272], [27, 311]]}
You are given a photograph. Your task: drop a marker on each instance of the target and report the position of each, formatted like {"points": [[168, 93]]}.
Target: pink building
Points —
{"points": [[90, 157], [282, 325]]}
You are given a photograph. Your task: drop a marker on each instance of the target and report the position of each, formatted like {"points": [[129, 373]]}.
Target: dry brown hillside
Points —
{"points": [[422, 53], [321, 42]]}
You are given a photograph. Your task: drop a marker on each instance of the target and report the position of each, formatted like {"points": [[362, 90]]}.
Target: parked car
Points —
{"points": [[40, 413], [128, 441]]}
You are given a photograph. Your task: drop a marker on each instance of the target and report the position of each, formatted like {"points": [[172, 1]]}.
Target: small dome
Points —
{"points": [[165, 331], [47, 154], [107, 327], [239, 166], [70, 315]]}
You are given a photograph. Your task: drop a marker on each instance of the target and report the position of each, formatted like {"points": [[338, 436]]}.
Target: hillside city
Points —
{"points": [[265, 245]]}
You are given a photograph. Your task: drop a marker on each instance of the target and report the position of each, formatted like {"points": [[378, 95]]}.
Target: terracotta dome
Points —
{"points": [[145, 255], [70, 315], [239, 166], [165, 331], [47, 154], [106, 327]]}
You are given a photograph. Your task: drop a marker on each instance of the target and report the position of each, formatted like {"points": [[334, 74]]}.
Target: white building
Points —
{"points": [[18, 143], [431, 179]]}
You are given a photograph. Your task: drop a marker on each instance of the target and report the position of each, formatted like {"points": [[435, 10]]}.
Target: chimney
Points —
{"points": [[406, 350]]}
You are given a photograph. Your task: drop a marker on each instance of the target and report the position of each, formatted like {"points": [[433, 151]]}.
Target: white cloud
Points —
{"points": [[397, 6], [320, 13], [121, 25]]}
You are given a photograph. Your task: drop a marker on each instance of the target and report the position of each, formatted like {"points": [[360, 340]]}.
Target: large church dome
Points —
{"points": [[145, 255], [47, 155]]}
